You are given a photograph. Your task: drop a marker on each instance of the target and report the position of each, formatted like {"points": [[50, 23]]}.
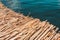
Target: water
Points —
{"points": [[42, 9]]}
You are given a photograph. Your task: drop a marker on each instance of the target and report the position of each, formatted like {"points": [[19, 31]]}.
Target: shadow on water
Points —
{"points": [[53, 16]]}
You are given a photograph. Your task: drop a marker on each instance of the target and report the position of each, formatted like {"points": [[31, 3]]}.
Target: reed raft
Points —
{"points": [[16, 26]]}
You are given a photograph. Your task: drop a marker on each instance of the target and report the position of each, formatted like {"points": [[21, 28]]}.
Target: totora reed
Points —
{"points": [[16, 26]]}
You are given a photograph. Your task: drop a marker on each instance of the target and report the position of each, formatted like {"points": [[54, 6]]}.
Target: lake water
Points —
{"points": [[43, 9]]}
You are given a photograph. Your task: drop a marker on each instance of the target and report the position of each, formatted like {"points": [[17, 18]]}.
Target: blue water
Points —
{"points": [[43, 9]]}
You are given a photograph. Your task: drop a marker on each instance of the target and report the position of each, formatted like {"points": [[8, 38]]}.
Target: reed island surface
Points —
{"points": [[16, 26]]}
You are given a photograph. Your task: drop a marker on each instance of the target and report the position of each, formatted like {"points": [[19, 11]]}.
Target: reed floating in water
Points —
{"points": [[16, 26]]}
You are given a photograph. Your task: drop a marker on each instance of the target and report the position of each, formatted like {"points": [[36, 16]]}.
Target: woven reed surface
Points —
{"points": [[16, 26]]}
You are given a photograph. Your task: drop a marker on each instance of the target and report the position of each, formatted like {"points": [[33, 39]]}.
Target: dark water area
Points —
{"points": [[43, 9]]}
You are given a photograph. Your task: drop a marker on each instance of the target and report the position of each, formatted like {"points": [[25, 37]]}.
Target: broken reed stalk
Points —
{"points": [[16, 26]]}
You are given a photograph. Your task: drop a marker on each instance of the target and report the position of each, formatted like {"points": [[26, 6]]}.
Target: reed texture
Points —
{"points": [[16, 26]]}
